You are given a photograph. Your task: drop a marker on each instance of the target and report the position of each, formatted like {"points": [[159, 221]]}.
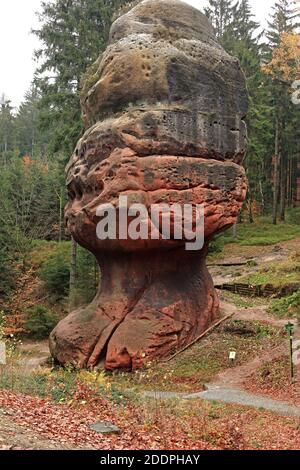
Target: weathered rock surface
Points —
{"points": [[165, 108]]}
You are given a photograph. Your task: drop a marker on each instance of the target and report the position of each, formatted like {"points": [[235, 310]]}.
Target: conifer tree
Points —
{"points": [[7, 131]]}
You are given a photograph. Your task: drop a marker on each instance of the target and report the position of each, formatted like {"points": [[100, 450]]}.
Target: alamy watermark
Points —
{"points": [[160, 221]]}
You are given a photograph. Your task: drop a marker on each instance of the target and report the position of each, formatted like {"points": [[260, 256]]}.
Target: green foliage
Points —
{"points": [[263, 233], [61, 384], [7, 272], [87, 278], [29, 139], [293, 216], [29, 188], [7, 141], [286, 307], [40, 322], [55, 272], [243, 301], [30, 209], [280, 273], [222, 13], [216, 246]]}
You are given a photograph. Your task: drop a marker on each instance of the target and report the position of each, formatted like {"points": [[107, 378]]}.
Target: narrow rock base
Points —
{"points": [[148, 306]]}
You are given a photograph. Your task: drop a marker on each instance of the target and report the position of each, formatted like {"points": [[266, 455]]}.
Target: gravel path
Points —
{"points": [[239, 397], [231, 395]]}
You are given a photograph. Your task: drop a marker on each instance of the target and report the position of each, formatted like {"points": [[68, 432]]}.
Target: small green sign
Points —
{"points": [[289, 328]]}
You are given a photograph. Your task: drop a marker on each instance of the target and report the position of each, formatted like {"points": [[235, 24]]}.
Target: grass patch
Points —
{"points": [[243, 302], [288, 307], [262, 233], [59, 384], [278, 274]]}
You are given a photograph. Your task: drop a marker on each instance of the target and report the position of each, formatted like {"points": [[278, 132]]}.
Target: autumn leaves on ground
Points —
{"points": [[43, 407]]}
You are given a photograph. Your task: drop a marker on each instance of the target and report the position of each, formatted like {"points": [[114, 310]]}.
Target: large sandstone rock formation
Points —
{"points": [[164, 107]]}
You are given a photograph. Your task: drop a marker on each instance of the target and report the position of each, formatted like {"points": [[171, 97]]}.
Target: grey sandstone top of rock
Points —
{"points": [[164, 86]]}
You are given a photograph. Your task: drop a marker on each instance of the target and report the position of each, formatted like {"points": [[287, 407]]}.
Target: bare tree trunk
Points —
{"points": [[262, 197], [73, 273], [249, 206], [60, 215], [276, 174], [282, 189], [290, 182], [234, 231]]}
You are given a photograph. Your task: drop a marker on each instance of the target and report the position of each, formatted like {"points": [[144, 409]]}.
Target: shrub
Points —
{"points": [[6, 274], [293, 216], [287, 307], [55, 273], [40, 322], [216, 246]]}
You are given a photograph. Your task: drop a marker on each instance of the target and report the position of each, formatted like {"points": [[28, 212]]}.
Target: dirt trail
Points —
{"points": [[247, 260], [34, 354], [228, 386], [234, 377], [259, 314], [15, 437]]}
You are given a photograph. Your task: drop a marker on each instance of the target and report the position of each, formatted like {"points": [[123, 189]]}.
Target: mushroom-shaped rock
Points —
{"points": [[164, 108]]}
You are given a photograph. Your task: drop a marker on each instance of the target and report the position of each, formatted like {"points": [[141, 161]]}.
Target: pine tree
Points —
{"points": [[281, 22], [222, 13], [7, 134], [244, 26], [29, 139]]}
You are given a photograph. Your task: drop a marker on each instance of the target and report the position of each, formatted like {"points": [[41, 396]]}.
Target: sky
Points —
{"points": [[17, 43]]}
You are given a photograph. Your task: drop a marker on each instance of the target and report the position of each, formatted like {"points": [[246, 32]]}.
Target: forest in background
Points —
{"points": [[37, 140]]}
